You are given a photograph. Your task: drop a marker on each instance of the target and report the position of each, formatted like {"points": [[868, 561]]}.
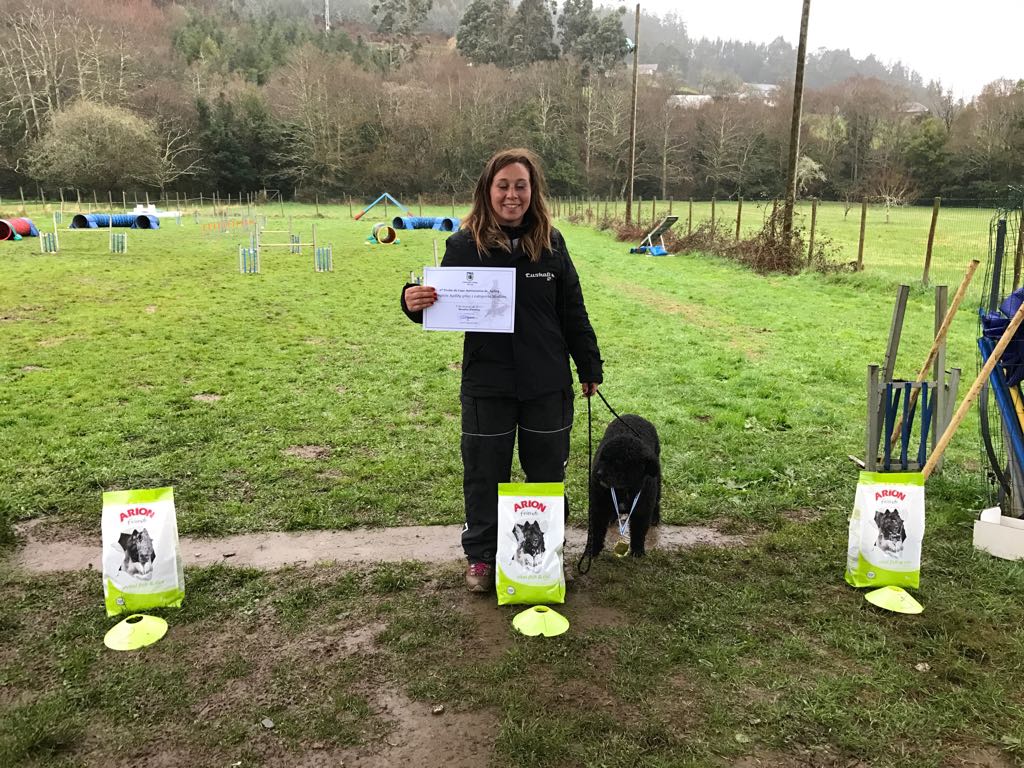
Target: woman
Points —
{"points": [[519, 381]]}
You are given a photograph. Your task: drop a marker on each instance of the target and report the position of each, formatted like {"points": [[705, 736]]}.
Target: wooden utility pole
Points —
{"points": [[632, 119], [794, 129]]}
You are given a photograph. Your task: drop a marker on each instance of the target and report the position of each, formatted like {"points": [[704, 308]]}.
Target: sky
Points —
{"points": [[965, 44]]}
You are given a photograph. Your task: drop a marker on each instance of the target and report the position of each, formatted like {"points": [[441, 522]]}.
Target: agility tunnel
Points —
{"points": [[104, 220], [20, 226], [440, 223], [384, 233]]}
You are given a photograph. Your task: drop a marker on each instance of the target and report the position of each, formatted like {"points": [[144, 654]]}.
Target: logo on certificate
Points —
{"points": [[469, 276]]}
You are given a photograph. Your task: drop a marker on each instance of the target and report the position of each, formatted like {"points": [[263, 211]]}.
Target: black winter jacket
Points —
{"points": [[551, 324]]}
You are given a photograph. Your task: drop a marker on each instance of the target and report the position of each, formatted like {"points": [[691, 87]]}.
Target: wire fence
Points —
{"points": [[929, 242], [926, 243]]}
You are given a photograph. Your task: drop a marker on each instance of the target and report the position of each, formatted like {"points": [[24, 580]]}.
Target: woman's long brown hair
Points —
{"points": [[482, 222]]}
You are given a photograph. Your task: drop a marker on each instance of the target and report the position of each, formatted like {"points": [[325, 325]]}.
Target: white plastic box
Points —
{"points": [[999, 535]]}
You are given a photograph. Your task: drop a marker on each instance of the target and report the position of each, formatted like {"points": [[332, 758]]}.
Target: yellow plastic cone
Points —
{"points": [[136, 631], [894, 598], [540, 620]]}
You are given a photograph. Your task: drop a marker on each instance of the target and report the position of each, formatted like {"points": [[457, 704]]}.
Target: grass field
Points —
{"points": [[294, 400]]}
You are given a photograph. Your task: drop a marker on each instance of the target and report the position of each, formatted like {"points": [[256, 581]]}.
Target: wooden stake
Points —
{"points": [[860, 243], [940, 337], [1020, 253], [712, 214], [689, 219], [931, 241], [814, 221], [739, 216], [972, 393]]}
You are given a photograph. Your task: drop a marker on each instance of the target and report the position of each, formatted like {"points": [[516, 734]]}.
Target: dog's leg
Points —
{"points": [[646, 514]]}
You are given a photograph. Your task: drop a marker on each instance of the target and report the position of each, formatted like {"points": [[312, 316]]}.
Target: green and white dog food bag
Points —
{"points": [[142, 566], [531, 537], [886, 530]]}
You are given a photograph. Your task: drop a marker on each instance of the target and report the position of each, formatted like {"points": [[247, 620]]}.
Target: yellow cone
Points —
{"points": [[540, 620], [136, 631], [894, 598]]}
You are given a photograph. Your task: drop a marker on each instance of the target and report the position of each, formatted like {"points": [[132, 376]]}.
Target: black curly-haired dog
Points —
{"points": [[628, 459]]}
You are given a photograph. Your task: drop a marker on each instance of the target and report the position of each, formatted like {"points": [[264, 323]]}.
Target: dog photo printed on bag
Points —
{"points": [[891, 532], [138, 554], [530, 552]]}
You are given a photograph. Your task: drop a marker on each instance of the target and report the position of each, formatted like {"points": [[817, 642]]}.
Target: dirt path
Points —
{"points": [[428, 543]]}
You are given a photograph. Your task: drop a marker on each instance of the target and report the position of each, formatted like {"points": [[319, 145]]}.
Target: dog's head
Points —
{"points": [[138, 547], [531, 542], [891, 531], [625, 463]]}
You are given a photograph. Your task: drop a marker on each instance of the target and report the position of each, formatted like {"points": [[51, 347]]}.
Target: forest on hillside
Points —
{"points": [[252, 94]]}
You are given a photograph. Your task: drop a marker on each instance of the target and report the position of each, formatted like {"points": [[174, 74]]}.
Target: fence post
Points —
{"points": [[453, 206], [419, 201], [739, 215], [1020, 253], [639, 209], [689, 219], [860, 244], [712, 214], [670, 206], [931, 240], [814, 221], [350, 206], [654, 210]]}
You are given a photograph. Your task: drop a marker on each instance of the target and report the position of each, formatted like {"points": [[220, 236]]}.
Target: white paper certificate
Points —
{"points": [[471, 299]]}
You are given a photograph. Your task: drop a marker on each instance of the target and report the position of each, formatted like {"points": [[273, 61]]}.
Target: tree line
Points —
{"points": [[213, 95]]}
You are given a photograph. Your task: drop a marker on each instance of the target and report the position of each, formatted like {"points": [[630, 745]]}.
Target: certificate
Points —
{"points": [[471, 299]]}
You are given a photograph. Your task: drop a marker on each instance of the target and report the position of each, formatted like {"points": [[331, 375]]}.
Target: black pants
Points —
{"points": [[489, 426]]}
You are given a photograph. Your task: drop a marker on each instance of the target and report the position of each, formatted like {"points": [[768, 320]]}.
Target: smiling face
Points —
{"points": [[510, 194]]}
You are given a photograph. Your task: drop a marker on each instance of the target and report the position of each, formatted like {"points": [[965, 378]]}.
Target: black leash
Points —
{"points": [[590, 524], [615, 414], [587, 556]]}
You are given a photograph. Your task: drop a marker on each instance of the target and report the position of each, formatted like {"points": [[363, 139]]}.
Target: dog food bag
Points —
{"points": [[142, 566], [531, 535], [886, 530]]}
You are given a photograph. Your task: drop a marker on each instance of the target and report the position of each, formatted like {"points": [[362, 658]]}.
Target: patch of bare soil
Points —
{"points": [[418, 737], [207, 397], [425, 543], [30, 368], [150, 309], [802, 515], [308, 451]]}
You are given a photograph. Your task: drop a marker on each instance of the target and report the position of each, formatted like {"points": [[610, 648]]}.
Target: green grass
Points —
{"points": [[757, 387]]}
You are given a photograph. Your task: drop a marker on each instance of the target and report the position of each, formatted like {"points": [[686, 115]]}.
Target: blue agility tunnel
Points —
{"points": [[442, 223], [104, 220]]}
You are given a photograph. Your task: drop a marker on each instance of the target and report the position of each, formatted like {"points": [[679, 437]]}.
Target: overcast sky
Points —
{"points": [[963, 43]]}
